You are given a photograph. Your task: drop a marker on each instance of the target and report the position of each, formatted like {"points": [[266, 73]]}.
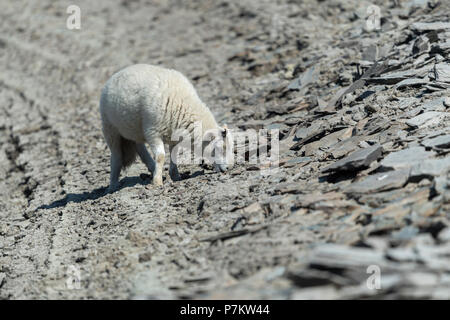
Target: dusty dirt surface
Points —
{"points": [[375, 225]]}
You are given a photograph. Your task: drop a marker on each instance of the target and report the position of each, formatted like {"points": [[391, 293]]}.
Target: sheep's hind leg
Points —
{"points": [[145, 157], [157, 147], [116, 166], [113, 140]]}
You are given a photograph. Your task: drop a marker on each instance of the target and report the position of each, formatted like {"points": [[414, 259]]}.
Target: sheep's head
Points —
{"points": [[218, 148]]}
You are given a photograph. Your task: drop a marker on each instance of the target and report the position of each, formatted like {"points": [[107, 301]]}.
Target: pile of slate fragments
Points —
{"points": [[379, 149]]}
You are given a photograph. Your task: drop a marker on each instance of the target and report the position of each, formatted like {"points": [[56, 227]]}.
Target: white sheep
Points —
{"points": [[146, 103]]}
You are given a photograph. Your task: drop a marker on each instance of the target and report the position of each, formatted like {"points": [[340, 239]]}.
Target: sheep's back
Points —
{"points": [[159, 99]]}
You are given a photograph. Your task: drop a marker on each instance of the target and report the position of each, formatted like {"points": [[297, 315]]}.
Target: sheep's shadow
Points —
{"points": [[127, 182]]}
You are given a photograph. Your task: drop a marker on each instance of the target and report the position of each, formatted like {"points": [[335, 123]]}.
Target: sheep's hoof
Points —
{"points": [[112, 188], [157, 182], [175, 177]]}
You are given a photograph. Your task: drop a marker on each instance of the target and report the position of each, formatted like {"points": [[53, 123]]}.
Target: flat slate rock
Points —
{"points": [[329, 256], [405, 103], [359, 159], [405, 158], [441, 184], [299, 160], [426, 119], [388, 79], [421, 45], [411, 83], [343, 148], [301, 82], [380, 182], [446, 102], [437, 142], [441, 72], [434, 105], [440, 47], [307, 132], [327, 141], [370, 53], [430, 26], [430, 168]]}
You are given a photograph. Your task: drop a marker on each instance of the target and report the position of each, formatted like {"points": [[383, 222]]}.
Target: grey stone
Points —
{"points": [[411, 83], [2, 279], [417, 3], [437, 142], [447, 102], [441, 72], [146, 285], [306, 78], [444, 235], [422, 44], [407, 102], [414, 112], [406, 233], [388, 79], [405, 158], [430, 168], [430, 26], [339, 256], [371, 53], [426, 119], [434, 105], [359, 159], [441, 47], [343, 148], [299, 160], [398, 76], [401, 254], [327, 141], [305, 132], [380, 182], [441, 184]]}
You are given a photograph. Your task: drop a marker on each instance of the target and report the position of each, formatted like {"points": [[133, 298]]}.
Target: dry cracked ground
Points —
{"points": [[360, 205]]}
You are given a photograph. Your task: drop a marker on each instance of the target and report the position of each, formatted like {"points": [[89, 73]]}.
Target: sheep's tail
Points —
{"points": [[129, 152]]}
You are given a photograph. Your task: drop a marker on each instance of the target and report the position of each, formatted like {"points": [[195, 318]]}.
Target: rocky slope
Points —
{"points": [[362, 187]]}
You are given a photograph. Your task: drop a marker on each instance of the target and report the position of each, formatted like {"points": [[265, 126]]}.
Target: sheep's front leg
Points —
{"points": [[173, 169], [157, 146]]}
